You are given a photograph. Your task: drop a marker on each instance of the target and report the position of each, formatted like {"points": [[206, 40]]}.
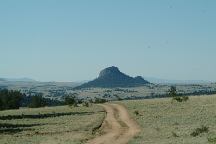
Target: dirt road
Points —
{"points": [[117, 128]]}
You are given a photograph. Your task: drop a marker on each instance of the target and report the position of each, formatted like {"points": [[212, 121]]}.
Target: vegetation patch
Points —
{"points": [[198, 131]]}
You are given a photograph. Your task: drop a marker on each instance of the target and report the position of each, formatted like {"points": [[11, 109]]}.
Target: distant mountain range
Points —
{"points": [[17, 79], [112, 77], [166, 81], [113, 72]]}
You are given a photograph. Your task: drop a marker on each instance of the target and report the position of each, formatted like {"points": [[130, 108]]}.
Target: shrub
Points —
{"points": [[174, 134], [86, 104], [136, 112], [181, 98], [71, 100], [10, 99], [185, 98], [198, 131], [100, 100], [37, 101]]}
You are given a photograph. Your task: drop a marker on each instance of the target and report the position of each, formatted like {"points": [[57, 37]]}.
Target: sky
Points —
{"points": [[72, 40]]}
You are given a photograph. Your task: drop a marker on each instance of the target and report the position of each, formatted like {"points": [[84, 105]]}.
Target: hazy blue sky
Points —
{"points": [[72, 40]]}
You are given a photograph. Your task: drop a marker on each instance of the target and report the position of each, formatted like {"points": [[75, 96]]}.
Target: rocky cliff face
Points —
{"points": [[112, 77]]}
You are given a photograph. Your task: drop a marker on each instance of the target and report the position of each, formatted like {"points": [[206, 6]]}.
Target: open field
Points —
{"points": [[162, 121], [166, 122], [50, 125]]}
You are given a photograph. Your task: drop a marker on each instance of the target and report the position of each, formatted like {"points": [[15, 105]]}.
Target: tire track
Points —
{"points": [[118, 127]]}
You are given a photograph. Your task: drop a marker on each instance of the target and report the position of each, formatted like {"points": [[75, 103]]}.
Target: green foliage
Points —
{"points": [[70, 100], [100, 100], [136, 112], [174, 134], [185, 98], [37, 101], [172, 92], [1, 104], [198, 131], [181, 98], [10, 99], [86, 104]]}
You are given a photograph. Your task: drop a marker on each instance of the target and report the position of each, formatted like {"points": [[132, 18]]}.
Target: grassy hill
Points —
{"points": [[166, 122]]}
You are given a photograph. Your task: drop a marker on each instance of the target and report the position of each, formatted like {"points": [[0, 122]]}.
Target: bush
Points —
{"points": [[173, 93], [86, 104], [136, 112], [10, 99], [185, 98], [70, 100], [181, 98], [174, 134], [198, 131], [100, 100], [37, 101]]}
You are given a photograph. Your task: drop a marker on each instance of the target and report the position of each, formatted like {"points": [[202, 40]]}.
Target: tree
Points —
{"points": [[172, 91], [175, 96], [10, 99], [70, 100], [1, 104], [37, 101]]}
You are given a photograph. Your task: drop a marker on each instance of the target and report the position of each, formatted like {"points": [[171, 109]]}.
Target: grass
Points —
{"points": [[63, 124], [166, 122]]}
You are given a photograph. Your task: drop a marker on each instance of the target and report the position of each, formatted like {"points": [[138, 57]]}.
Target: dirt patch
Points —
{"points": [[117, 127]]}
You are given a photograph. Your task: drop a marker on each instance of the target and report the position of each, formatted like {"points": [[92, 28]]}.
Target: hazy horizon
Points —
{"points": [[74, 40]]}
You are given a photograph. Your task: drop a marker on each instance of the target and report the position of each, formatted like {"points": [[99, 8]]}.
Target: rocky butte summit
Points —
{"points": [[112, 77]]}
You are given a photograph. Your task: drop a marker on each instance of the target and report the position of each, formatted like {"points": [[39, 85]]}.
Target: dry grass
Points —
{"points": [[166, 122], [63, 124]]}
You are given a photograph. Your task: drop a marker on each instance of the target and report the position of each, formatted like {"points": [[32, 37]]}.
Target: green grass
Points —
{"points": [[63, 124], [166, 122]]}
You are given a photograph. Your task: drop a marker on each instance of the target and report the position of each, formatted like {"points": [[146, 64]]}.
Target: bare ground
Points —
{"points": [[117, 128]]}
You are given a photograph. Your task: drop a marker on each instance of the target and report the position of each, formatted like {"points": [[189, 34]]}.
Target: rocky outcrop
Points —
{"points": [[112, 77]]}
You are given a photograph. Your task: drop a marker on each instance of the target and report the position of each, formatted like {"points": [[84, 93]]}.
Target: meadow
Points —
{"points": [[50, 125], [164, 121]]}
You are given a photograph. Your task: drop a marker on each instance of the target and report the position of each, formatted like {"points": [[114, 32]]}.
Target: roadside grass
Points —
{"points": [[166, 122], [49, 125]]}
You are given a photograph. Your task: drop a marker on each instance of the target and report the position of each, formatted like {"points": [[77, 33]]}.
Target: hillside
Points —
{"points": [[112, 77], [166, 122]]}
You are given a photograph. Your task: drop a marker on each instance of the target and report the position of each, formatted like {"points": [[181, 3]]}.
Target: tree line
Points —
{"points": [[12, 99]]}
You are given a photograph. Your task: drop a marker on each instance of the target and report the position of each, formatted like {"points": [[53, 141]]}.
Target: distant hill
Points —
{"points": [[21, 79], [112, 77], [17, 79], [166, 81], [2, 79]]}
